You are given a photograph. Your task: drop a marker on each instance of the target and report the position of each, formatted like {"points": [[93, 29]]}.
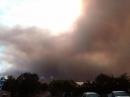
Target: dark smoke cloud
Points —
{"points": [[99, 43]]}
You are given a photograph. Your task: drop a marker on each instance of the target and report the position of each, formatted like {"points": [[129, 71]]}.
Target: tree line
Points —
{"points": [[28, 85]]}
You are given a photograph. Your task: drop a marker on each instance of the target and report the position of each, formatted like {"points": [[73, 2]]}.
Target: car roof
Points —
{"points": [[117, 91], [89, 93]]}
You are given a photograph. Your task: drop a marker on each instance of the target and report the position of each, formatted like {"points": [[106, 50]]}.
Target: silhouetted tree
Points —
{"points": [[122, 82], [87, 86], [28, 84], [44, 87], [104, 83], [58, 87], [11, 86]]}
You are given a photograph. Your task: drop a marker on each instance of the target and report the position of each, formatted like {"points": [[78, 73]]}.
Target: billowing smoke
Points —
{"points": [[99, 43]]}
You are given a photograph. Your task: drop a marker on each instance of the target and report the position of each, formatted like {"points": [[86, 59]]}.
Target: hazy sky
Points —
{"points": [[76, 41]]}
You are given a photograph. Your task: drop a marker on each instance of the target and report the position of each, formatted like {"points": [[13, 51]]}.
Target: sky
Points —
{"points": [[65, 39]]}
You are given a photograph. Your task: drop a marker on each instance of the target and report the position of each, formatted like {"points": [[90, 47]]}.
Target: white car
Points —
{"points": [[90, 94], [119, 94]]}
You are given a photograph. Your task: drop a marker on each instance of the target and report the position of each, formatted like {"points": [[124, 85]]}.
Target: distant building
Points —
{"points": [[80, 83]]}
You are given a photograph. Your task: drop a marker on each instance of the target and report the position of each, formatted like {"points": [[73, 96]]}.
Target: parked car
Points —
{"points": [[119, 94], [90, 94]]}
